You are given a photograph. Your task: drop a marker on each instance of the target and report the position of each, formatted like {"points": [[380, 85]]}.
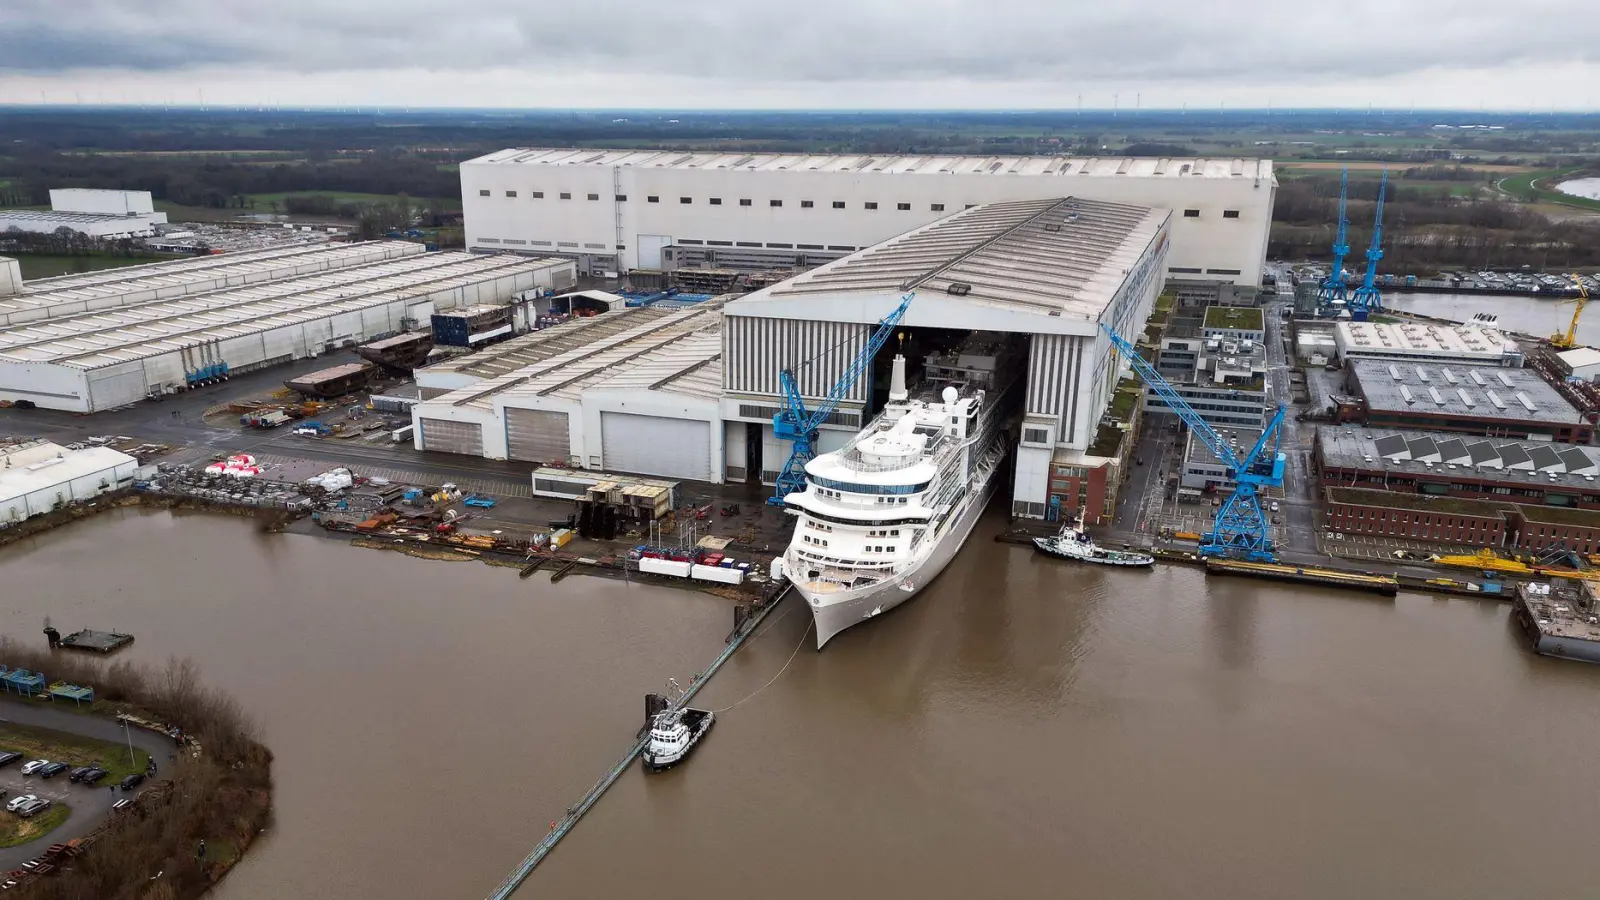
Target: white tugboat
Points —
{"points": [[674, 732], [882, 516], [1072, 543]]}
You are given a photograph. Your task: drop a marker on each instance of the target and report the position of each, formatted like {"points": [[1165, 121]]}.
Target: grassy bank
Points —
{"points": [[264, 201], [15, 831], [218, 790], [75, 751], [1539, 187]]}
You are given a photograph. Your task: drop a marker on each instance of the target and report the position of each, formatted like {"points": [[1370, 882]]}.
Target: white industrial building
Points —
{"points": [[38, 477], [631, 390], [72, 295], [118, 352], [1422, 342], [1582, 363], [96, 213], [690, 393], [617, 210]]}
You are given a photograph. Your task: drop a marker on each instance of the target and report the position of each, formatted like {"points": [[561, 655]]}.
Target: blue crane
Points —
{"points": [[799, 425], [1367, 298], [1331, 296], [1240, 529]]}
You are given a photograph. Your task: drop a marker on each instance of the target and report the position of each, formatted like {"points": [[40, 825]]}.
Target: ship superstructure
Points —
{"points": [[883, 515]]}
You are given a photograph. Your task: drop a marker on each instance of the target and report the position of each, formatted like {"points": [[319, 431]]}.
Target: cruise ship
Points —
{"points": [[882, 516]]}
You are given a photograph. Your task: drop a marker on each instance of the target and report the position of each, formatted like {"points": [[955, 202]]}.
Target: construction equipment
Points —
{"points": [[1485, 560], [1240, 529], [799, 425], [1367, 299], [1331, 292], [1570, 339]]}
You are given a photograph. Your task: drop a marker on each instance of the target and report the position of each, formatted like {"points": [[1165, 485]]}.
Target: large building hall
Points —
{"points": [[691, 393], [619, 210]]}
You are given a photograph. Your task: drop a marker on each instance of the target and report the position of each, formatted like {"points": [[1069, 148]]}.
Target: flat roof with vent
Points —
{"points": [[1460, 390], [1482, 458]]}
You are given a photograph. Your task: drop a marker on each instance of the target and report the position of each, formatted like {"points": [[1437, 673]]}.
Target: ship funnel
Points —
{"points": [[897, 381]]}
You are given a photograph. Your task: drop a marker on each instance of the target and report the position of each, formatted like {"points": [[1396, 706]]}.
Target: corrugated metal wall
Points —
{"points": [[537, 435], [445, 436], [1054, 361], [757, 349]]}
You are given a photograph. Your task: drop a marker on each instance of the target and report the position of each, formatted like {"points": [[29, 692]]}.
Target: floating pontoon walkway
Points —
{"points": [[565, 825]]}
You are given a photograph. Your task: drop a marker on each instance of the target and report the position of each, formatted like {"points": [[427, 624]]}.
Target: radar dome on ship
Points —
{"points": [[950, 395]]}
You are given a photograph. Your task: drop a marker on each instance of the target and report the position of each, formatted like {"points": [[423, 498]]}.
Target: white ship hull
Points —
{"points": [[836, 609]]}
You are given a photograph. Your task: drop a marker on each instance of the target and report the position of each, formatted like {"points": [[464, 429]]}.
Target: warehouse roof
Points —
{"points": [[146, 270], [81, 218], [1461, 506], [215, 318], [889, 163], [38, 465], [547, 343], [1459, 390], [1456, 455], [1062, 257], [1578, 357], [177, 280], [670, 352], [90, 326]]}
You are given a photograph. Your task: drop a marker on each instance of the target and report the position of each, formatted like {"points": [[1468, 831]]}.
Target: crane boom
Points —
{"points": [[1331, 292], [1367, 298], [1240, 529], [797, 424], [1570, 339]]}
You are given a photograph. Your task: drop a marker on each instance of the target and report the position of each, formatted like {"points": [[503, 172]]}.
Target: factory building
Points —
{"points": [[1046, 272], [121, 351], [690, 393], [71, 295], [1462, 522], [1224, 380], [619, 210], [631, 390], [1581, 363], [37, 477], [106, 215], [1441, 464], [1480, 400], [1418, 342]]}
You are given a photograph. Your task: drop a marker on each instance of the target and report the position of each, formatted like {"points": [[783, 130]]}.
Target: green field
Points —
{"points": [[1529, 187], [15, 831], [266, 200], [35, 265]]}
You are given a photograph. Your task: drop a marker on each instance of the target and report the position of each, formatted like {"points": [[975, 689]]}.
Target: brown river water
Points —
{"points": [[1024, 728]]}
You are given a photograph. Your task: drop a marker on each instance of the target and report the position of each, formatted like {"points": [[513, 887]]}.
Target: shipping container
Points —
{"points": [[665, 567], [718, 574]]}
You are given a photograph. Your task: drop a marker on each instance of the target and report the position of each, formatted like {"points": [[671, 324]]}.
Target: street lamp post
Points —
{"points": [[129, 735]]}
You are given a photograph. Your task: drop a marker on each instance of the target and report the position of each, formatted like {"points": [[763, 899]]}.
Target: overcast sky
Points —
{"points": [[872, 54]]}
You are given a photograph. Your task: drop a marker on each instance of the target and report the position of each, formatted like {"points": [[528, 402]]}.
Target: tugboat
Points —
{"points": [[674, 732], [1073, 543]]}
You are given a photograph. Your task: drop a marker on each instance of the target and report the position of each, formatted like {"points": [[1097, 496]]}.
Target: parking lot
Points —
{"points": [[1364, 546]]}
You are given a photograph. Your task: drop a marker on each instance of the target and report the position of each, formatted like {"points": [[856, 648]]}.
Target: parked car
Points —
{"points": [[1274, 506], [8, 757], [19, 802], [35, 766], [33, 808], [93, 776], [132, 781], [78, 773], [53, 769]]}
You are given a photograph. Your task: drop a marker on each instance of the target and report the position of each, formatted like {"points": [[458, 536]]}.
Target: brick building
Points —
{"points": [[1412, 517]]}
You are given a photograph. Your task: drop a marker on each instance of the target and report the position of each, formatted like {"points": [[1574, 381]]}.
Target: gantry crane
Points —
{"points": [[1570, 339], [796, 423], [1240, 529], [1367, 298], [1331, 295]]}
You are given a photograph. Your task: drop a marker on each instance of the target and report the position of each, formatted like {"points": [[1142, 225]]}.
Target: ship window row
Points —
{"points": [[810, 523], [850, 487], [811, 540], [883, 532], [919, 520]]}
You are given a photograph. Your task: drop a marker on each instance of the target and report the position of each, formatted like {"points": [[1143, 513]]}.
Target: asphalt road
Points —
{"points": [[90, 805]]}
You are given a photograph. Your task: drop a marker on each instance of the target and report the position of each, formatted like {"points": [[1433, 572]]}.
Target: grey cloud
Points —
{"points": [[826, 42]]}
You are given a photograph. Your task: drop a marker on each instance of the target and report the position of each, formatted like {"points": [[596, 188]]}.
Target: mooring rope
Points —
{"points": [[785, 668]]}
